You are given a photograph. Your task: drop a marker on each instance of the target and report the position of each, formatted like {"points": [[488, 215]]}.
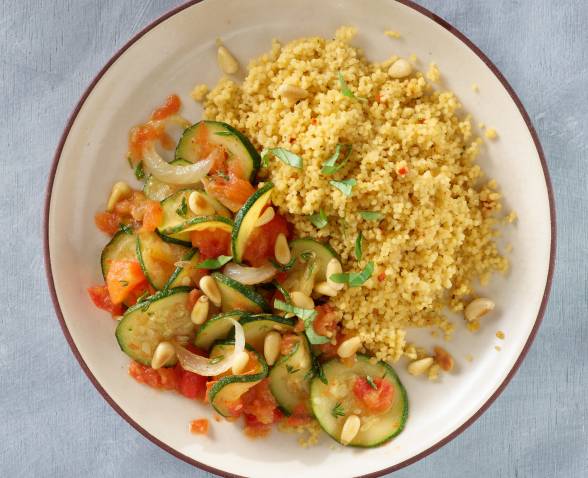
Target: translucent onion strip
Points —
{"points": [[172, 174], [250, 275], [202, 365]]}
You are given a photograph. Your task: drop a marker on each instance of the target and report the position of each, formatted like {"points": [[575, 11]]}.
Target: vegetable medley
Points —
{"points": [[216, 299]]}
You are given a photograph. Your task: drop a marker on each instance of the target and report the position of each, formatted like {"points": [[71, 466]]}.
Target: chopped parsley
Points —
{"points": [[371, 215], [139, 172], [371, 382], [126, 229], [345, 91], [344, 185], [354, 279], [307, 316], [316, 370], [319, 220], [287, 157], [183, 209], [358, 246], [216, 360], [291, 369], [216, 263], [337, 410], [330, 166]]}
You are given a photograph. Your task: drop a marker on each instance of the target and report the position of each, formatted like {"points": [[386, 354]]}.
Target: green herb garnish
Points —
{"points": [[371, 382], [337, 410], [216, 263], [319, 220], [330, 166], [183, 209], [358, 246], [126, 229], [344, 186], [283, 291], [371, 215], [345, 91], [287, 157], [139, 172], [307, 316], [216, 360], [291, 369], [354, 279]]}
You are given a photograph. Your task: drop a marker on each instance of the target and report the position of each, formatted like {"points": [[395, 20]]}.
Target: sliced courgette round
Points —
{"points": [[237, 296], [121, 247], [186, 275], [217, 328], [246, 218], [157, 258], [334, 401], [256, 327], [157, 190], [227, 391], [237, 146], [164, 316], [288, 379]]}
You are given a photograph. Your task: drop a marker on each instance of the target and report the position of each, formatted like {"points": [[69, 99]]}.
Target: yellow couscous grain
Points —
{"points": [[199, 92]]}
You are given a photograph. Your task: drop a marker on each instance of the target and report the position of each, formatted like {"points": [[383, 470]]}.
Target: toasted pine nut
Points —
{"points": [[349, 347], [301, 300], [334, 267], [400, 69], [240, 363], [120, 190], [350, 429], [292, 93], [200, 310], [199, 205], [324, 288], [164, 352], [444, 359], [418, 367], [226, 61], [281, 249], [266, 217], [478, 308], [271, 347], [210, 288]]}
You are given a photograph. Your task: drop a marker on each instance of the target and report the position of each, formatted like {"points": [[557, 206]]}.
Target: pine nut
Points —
{"points": [[240, 363], [349, 347], [210, 288], [350, 429], [400, 69], [292, 93], [226, 61], [444, 359], [334, 267], [281, 249], [271, 347], [120, 190], [301, 300], [266, 217], [324, 288], [199, 205], [418, 367], [164, 352], [478, 308], [200, 310]]}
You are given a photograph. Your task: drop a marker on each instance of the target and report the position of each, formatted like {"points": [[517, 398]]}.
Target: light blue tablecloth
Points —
{"points": [[53, 423]]}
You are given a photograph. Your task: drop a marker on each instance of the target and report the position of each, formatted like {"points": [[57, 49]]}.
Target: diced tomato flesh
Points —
{"points": [[326, 320], [107, 222], [163, 378], [233, 192], [375, 400], [200, 426], [211, 242], [153, 216], [300, 416], [189, 384], [101, 298], [193, 296], [261, 243], [254, 428], [260, 403], [287, 343], [170, 107], [122, 278], [144, 289]]}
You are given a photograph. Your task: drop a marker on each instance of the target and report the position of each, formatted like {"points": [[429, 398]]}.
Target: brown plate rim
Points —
{"points": [[428, 451]]}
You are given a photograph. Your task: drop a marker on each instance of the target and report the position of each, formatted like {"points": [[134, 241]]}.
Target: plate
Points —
{"points": [[175, 53]]}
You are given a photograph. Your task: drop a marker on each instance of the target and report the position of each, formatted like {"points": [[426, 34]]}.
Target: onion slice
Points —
{"points": [[171, 174], [250, 275], [202, 365]]}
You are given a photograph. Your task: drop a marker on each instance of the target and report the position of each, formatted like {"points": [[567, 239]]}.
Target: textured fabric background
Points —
{"points": [[53, 423]]}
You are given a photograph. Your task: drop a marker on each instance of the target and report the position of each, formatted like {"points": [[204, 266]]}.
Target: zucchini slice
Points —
{"points": [[256, 327], [157, 258], [217, 328], [237, 146], [121, 247], [237, 296], [333, 402], [157, 190], [163, 316], [186, 275], [176, 226], [288, 380], [226, 392], [246, 218]]}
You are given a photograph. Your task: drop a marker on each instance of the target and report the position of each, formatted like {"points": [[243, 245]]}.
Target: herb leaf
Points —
{"points": [[307, 316], [371, 215], [317, 370], [183, 209], [216, 263], [139, 172], [344, 186], [337, 410], [345, 91], [358, 246], [287, 157], [354, 279], [319, 220], [283, 267], [371, 382], [126, 229], [330, 166]]}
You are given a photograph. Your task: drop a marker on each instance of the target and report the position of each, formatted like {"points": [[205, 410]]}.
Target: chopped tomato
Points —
{"points": [[193, 296], [254, 428], [170, 107], [261, 243], [381, 276], [101, 298], [140, 136], [287, 343], [142, 289], [260, 403], [232, 191], [211, 242], [153, 216], [190, 384], [107, 222], [300, 416], [376, 400], [218, 155], [326, 320], [122, 278], [200, 426], [329, 350], [163, 378]]}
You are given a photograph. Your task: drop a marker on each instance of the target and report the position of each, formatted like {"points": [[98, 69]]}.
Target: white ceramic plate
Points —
{"points": [[172, 55]]}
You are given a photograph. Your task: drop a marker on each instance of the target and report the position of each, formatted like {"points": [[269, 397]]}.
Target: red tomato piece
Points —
{"points": [[152, 216], [107, 222], [261, 243], [233, 192], [170, 107], [211, 242], [260, 403], [376, 400], [122, 278], [190, 384], [326, 320], [101, 298], [200, 426], [162, 379], [141, 289]]}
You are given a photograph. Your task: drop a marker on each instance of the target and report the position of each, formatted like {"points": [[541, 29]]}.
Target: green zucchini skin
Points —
{"points": [[237, 296], [157, 278], [217, 328], [256, 326], [176, 279], [245, 220], [386, 425], [121, 247], [231, 139], [157, 190]]}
